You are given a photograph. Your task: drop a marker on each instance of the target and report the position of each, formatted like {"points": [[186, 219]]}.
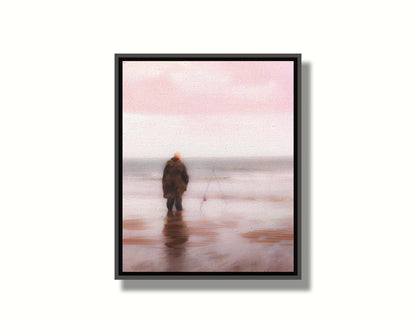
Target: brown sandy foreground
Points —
{"points": [[212, 239]]}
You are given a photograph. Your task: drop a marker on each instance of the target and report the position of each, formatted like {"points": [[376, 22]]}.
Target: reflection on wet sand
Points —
{"points": [[244, 225], [176, 235], [194, 241], [269, 235]]}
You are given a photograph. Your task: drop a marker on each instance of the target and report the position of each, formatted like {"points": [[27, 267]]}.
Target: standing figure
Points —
{"points": [[175, 181]]}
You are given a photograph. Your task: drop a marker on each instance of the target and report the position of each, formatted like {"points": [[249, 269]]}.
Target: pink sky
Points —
{"points": [[207, 108], [188, 87]]}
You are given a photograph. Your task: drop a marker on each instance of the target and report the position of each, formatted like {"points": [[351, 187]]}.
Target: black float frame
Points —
{"points": [[119, 274]]}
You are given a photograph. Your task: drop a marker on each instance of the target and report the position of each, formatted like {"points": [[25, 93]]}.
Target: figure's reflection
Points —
{"points": [[176, 235]]}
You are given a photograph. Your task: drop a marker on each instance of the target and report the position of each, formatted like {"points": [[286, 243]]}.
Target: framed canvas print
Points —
{"points": [[207, 166]]}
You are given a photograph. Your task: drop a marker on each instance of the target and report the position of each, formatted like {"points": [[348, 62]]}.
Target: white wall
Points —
{"points": [[56, 76]]}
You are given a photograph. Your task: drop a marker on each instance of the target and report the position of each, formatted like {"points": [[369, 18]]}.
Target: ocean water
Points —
{"points": [[245, 223]]}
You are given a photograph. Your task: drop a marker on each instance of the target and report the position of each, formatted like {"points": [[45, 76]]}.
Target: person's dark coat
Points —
{"points": [[175, 178]]}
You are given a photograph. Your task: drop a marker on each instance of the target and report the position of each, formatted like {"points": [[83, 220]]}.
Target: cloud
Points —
{"points": [[257, 93], [194, 87], [201, 78]]}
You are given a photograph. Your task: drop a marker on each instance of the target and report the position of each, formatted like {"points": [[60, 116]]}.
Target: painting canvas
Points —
{"points": [[207, 165]]}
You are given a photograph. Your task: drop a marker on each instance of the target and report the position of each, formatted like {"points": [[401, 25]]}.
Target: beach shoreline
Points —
{"points": [[245, 224], [192, 241]]}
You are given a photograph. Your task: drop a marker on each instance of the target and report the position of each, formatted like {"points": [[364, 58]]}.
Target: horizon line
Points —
{"points": [[216, 157]]}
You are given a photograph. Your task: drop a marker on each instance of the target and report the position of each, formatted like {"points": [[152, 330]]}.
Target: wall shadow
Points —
{"points": [[305, 284]]}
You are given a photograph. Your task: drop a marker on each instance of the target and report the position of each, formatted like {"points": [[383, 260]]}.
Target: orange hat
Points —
{"points": [[177, 155]]}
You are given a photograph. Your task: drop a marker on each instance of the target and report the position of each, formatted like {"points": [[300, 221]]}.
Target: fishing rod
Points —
{"points": [[214, 175], [204, 198]]}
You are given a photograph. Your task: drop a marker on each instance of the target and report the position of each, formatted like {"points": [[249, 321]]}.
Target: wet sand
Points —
{"points": [[224, 235], [246, 224]]}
